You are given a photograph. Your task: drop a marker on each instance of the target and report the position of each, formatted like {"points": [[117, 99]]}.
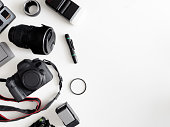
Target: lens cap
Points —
{"points": [[32, 79], [49, 41]]}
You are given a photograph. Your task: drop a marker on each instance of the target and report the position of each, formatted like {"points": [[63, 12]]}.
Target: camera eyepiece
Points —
{"points": [[40, 40]]}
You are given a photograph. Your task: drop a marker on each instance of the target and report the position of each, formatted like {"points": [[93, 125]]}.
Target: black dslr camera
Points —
{"points": [[31, 75]]}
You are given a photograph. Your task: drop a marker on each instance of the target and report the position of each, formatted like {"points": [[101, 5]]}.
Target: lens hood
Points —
{"points": [[40, 40]]}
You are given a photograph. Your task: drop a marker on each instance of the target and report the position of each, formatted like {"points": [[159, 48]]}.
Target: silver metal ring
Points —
{"points": [[30, 3]]}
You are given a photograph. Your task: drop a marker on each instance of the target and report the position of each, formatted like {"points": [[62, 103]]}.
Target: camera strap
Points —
{"points": [[28, 112]]}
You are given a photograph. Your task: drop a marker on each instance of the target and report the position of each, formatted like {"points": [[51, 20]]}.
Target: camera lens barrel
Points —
{"points": [[18, 35], [40, 40]]}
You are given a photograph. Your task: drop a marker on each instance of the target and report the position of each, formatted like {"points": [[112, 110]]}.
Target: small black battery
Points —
{"points": [[67, 115]]}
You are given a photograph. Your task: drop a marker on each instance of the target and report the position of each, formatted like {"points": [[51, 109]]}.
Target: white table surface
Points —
{"points": [[123, 48]]}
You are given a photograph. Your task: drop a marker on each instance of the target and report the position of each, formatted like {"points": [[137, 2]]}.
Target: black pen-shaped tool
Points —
{"points": [[71, 47]]}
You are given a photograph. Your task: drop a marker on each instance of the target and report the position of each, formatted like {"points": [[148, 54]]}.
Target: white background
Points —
{"points": [[123, 48]]}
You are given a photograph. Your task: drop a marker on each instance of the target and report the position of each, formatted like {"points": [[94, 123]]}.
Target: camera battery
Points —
{"points": [[6, 16], [67, 115], [5, 53]]}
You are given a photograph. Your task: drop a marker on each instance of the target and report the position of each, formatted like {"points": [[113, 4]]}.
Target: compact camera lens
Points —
{"points": [[40, 40]]}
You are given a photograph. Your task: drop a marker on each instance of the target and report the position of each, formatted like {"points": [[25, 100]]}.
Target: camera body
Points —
{"points": [[31, 75]]}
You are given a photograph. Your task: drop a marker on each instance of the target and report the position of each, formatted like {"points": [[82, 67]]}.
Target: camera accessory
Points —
{"points": [[67, 115], [28, 5], [5, 53], [66, 8], [6, 16], [42, 123], [71, 85], [71, 47], [40, 40], [15, 88]]}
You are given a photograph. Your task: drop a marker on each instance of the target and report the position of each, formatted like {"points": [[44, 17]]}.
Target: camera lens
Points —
{"points": [[40, 40], [18, 35]]}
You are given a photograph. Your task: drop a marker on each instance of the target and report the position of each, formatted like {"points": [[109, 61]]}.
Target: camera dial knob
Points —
{"points": [[32, 79]]}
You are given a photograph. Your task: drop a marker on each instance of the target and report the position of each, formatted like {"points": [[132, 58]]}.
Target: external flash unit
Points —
{"points": [[67, 8]]}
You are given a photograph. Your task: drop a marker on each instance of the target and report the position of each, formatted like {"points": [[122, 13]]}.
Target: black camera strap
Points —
{"points": [[28, 112]]}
